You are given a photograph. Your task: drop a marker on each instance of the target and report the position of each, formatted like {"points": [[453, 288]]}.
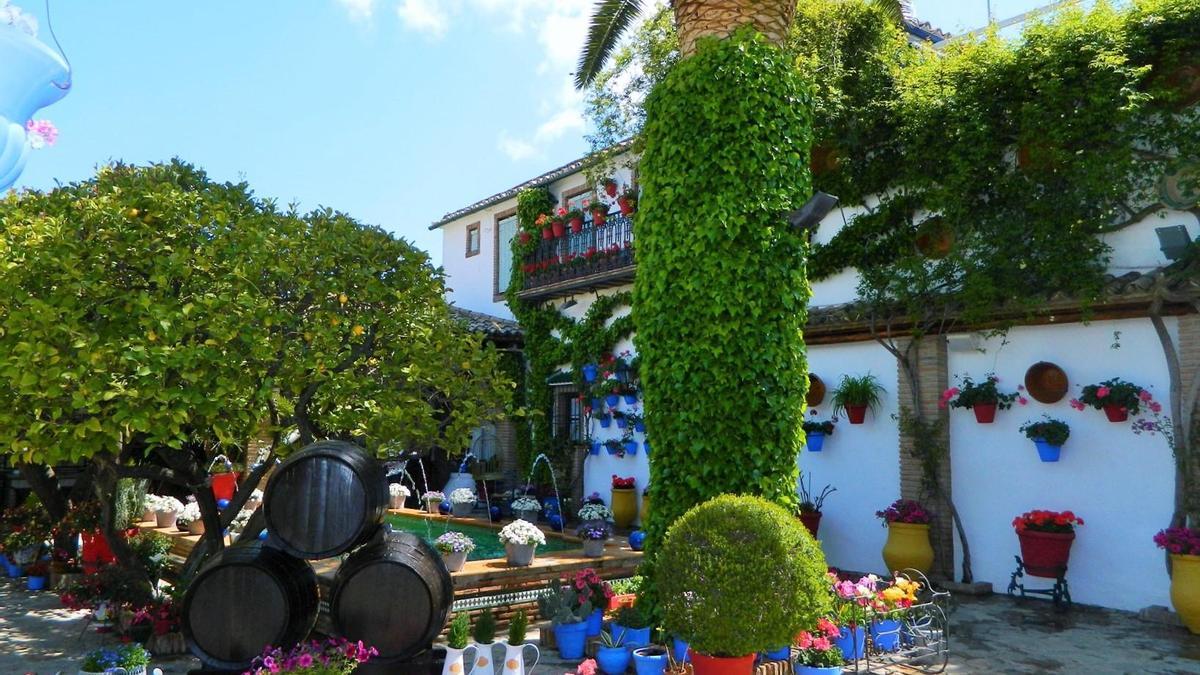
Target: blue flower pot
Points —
{"points": [[596, 406], [614, 449], [612, 660], [550, 504], [495, 512], [813, 670], [679, 650], [556, 521], [630, 399], [596, 447], [646, 447], [630, 447], [630, 637], [570, 638], [637, 539], [14, 571], [640, 427], [595, 623], [35, 583], [1047, 452], [646, 662], [605, 421], [782, 654], [589, 372], [815, 441], [852, 642], [886, 634], [622, 422], [612, 400]]}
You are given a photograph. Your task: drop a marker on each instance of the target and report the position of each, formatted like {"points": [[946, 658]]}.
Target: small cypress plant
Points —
{"points": [[460, 631], [485, 627], [517, 627]]}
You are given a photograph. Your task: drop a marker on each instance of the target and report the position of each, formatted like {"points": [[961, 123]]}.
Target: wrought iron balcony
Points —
{"points": [[595, 257]]}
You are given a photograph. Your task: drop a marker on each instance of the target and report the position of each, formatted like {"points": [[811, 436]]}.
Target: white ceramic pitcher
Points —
{"points": [[514, 658]]}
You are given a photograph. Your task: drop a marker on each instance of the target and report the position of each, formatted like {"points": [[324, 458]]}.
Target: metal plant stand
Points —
{"points": [[924, 637], [1060, 592]]}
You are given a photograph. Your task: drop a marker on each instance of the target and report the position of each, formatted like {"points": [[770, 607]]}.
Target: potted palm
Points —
{"points": [[521, 539], [514, 648], [1048, 437], [397, 495], [568, 617], [1046, 538], [1117, 398], [811, 503], [815, 433], [907, 544], [855, 394], [983, 398], [432, 499], [454, 547], [462, 501], [1183, 546]]}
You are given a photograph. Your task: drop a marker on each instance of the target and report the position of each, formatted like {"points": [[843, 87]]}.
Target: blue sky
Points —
{"points": [[395, 111]]}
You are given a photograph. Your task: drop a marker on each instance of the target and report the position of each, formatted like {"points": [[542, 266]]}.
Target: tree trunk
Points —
{"points": [[695, 19]]}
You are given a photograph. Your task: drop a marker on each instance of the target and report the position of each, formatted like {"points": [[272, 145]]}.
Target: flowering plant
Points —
{"points": [[818, 427], [905, 511], [522, 533], [396, 490], [1047, 521], [526, 504], [1179, 540], [189, 514], [161, 504], [594, 498], [454, 542], [852, 600], [463, 496], [817, 649], [125, 656], [1054, 432], [594, 532], [973, 393], [161, 615], [41, 133], [619, 483], [897, 597], [1116, 392], [591, 512], [335, 656], [432, 496], [590, 589]]}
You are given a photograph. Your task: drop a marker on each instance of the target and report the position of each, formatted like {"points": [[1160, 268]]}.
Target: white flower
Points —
{"points": [[161, 504], [463, 496], [397, 490], [522, 533], [526, 504], [189, 514], [594, 512]]}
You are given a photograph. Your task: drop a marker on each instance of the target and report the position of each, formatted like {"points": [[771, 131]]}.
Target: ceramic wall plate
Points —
{"points": [[1046, 382]]}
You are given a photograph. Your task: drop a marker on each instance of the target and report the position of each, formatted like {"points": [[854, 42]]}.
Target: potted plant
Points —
{"points": [[610, 187], [907, 544], [628, 445], [574, 218], [624, 501], [811, 503], [132, 657], [593, 512], [22, 546], [454, 547], [815, 432], [543, 221], [1046, 538], [514, 648], [484, 634], [521, 539], [558, 223], [190, 519], [36, 575], [851, 613], [599, 213], [568, 617], [589, 372], [457, 639], [855, 394], [624, 592], [587, 587], [632, 625], [1183, 546], [462, 501], [817, 654], [397, 495], [594, 535], [1117, 398], [431, 499], [166, 509], [614, 447], [611, 654], [650, 660], [637, 421], [887, 608], [628, 201], [983, 398], [1048, 437], [620, 419], [526, 508], [744, 577]]}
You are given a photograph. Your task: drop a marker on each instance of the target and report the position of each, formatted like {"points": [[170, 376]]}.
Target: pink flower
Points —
{"points": [[804, 640], [1144, 395], [821, 644], [1155, 407], [1076, 404], [588, 667], [1022, 400], [1102, 392]]}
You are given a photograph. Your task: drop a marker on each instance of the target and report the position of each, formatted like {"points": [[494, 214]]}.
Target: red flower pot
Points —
{"points": [[985, 413], [576, 225], [610, 188], [1116, 413], [811, 522], [547, 233], [857, 414], [1045, 554], [626, 205], [703, 664], [95, 548], [523, 237], [599, 218], [224, 485], [557, 230]]}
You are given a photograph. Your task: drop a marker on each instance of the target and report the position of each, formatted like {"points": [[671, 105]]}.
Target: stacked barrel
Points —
{"points": [[392, 591]]}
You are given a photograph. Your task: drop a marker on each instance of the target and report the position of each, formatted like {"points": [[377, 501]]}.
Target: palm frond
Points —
{"points": [[610, 19], [896, 10]]}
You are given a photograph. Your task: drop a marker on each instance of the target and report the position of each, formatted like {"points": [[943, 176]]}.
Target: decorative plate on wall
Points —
{"points": [[1046, 382], [816, 391]]}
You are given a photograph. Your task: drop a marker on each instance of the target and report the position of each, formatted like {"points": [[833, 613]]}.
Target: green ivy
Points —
{"points": [[720, 294]]}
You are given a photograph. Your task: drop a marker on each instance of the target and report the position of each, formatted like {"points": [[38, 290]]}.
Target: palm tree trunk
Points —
{"points": [[695, 19]]}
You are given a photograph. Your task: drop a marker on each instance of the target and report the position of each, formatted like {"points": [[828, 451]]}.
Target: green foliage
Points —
{"points": [[740, 575], [151, 549], [460, 631], [1053, 431], [857, 390], [632, 617], [720, 293], [485, 627], [972, 393], [562, 605], [129, 505], [517, 626]]}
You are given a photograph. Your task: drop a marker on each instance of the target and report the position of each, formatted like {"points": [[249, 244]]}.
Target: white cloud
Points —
{"points": [[516, 149], [424, 16], [359, 10]]}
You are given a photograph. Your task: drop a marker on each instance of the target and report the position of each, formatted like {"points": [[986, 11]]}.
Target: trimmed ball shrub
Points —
{"points": [[738, 575]]}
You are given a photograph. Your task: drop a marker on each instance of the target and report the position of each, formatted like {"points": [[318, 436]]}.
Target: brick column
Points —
{"points": [[929, 359], [506, 450], [1188, 347]]}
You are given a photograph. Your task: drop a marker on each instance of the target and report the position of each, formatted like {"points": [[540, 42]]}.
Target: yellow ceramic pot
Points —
{"points": [[908, 547], [1185, 589], [624, 506], [644, 513]]}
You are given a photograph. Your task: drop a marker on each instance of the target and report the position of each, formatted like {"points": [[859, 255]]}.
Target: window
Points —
{"points": [[568, 414], [506, 229], [472, 240]]}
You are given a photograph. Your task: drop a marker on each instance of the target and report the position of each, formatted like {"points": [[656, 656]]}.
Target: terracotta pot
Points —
{"points": [[1045, 554], [557, 229], [816, 391], [856, 414], [599, 218], [1116, 413], [1185, 589], [621, 600], [985, 413], [627, 205], [547, 233], [908, 547], [196, 527], [703, 664], [624, 506], [610, 188], [811, 521], [576, 225]]}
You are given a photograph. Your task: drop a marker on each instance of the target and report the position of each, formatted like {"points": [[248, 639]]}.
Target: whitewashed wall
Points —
{"points": [[1120, 483], [860, 460]]}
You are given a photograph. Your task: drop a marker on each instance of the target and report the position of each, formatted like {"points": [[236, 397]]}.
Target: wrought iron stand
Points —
{"points": [[1060, 592]]}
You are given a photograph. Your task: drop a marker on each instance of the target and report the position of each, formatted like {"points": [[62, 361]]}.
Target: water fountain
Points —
{"points": [[462, 471], [553, 481]]}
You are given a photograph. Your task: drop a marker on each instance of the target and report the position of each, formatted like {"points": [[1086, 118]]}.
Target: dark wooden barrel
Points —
{"points": [[246, 597], [393, 594], [325, 500]]}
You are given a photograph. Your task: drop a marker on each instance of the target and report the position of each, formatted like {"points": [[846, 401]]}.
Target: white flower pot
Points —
{"points": [[454, 660], [593, 548], [148, 516], [514, 658], [431, 506], [455, 561], [520, 555], [196, 527], [462, 509], [483, 663], [396, 502], [165, 518], [528, 515]]}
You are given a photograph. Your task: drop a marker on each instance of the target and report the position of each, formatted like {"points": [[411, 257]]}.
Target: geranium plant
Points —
{"points": [[905, 511], [817, 649], [454, 542], [590, 589], [619, 483], [1179, 540], [818, 426], [522, 533], [852, 599], [1050, 430], [335, 656], [1059, 522], [970, 393], [1119, 394]]}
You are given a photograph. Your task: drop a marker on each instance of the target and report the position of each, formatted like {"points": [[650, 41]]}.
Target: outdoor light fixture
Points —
{"points": [[1173, 240], [568, 304], [807, 217]]}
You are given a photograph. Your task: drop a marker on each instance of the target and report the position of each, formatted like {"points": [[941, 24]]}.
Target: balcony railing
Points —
{"points": [[596, 252]]}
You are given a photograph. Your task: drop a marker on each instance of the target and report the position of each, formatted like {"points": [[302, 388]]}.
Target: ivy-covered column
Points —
{"points": [[720, 296]]}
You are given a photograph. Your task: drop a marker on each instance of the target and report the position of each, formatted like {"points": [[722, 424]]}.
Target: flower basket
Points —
{"points": [[985, 413], [1116, 413], [856, 414], [1045, 554]]}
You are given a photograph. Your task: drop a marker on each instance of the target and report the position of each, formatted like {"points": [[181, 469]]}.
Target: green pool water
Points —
{"points": [[487, 544]]}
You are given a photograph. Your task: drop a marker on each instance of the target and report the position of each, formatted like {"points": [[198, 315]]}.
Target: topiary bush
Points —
{"points": [[738, 575]]}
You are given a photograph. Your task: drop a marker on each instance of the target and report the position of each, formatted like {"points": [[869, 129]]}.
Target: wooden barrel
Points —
{"points": [[393, 594], [325, 500], [246, 597]]}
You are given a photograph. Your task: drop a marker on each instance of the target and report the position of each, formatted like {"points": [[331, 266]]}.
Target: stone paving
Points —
{"points": [[995, 634]]}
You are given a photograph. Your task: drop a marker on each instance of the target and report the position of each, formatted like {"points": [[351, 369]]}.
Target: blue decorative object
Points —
{"points": [[637, 539], [13, 570], [596, 405], [852, 642], [646, 447], [680, 651], [612, 400], [605, 421], [1047, 452], [589, 372], [556, 521], [222, 504], [622, 422], [640, 427], [35, 583], [595, 450], [630, 637], [630, 447], [814, 670], [815, 440], [33, 77], [595, 622], [445, 506], [495, 511], [650, 660], [886, 634], [630, 399], [612, 660], [262, 536], [570, 638], [550, 504]]}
